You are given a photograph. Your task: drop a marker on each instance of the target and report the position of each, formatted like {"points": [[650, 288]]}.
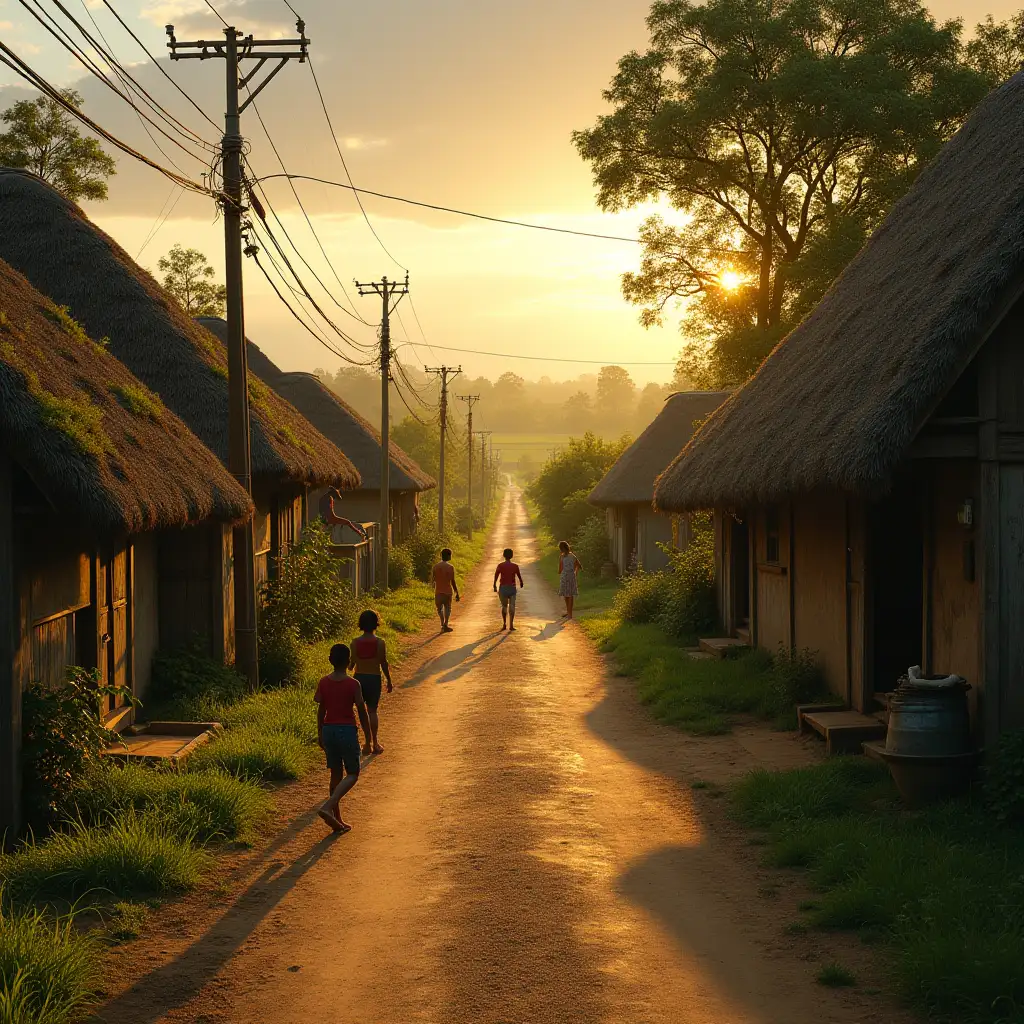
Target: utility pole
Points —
{"points": [[234, 50], [386, 290], [470, 401], [444, 372], [484, 478]]}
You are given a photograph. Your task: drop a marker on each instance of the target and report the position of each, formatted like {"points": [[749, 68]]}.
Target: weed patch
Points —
{"points": [[48, 971], [941, 888], [836, 976], [132, 854], [257, 754], [127, 921]]}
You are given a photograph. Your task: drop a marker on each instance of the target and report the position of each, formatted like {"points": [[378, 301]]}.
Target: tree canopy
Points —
{"points": [[189, 278], [43, 138], [779, 132]]}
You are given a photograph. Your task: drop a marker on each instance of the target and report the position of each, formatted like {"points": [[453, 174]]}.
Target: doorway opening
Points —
{"points": [[739, 547]]}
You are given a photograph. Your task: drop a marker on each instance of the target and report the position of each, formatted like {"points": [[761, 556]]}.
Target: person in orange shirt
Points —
{"points": [[443, 575]]}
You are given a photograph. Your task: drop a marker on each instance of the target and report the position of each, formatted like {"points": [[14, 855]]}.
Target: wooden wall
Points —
{"points": [[196, 589], [653, 528], [10, 684], [146, 611]]}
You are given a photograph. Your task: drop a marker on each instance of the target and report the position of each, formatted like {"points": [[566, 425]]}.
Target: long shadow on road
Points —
{"points": [[453, 664]]}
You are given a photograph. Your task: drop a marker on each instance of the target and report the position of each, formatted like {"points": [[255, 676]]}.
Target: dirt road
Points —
{"points": [[528, 849]]}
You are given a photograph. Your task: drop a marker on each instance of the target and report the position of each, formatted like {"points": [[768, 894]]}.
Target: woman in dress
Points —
{"points": [[568, 568]]}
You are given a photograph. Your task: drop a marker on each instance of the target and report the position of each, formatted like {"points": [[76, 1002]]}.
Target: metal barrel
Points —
{"points": [[929, 721]]}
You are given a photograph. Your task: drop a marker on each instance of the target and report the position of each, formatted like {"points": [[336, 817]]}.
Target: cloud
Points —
{"points": [[360, 142]]}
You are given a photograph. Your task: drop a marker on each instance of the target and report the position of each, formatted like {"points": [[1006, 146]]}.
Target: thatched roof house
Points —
{"points": [[635, 531], [631, 479], [339, 422], [869, 479], [93, 467], [52, 242], [839, 401]]}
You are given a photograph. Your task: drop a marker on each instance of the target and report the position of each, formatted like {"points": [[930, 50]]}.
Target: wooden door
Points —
{"points": [[120, 621], [101, 601]]}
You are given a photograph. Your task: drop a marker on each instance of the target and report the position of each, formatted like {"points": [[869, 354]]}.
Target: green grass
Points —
{"points": [[210, 804], [256, 753], [940, 889], [48, 969], [127, 921], [132, 854], [834, 975]]}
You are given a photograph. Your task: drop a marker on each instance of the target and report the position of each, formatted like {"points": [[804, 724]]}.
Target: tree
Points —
{"points": [[997, 49], [43, 138], [615, 391], [578, 410], [781, 131], [187, 276]]}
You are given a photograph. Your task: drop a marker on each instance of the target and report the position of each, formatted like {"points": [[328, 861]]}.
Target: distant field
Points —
{"points": [[519, 450]]}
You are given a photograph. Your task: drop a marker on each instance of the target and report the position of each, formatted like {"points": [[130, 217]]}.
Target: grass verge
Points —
{"points": [[941, 888], [48, 971], [131, 854]]}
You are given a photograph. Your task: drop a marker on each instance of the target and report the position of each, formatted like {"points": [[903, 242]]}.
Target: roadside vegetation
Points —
{"points": [[941, 889], [109, 837]]}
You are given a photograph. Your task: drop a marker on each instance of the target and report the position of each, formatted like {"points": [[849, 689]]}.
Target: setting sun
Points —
{"points": [[730, 280]]}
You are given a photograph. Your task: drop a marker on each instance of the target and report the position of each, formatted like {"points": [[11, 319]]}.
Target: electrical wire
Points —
{"points": [[159, 223], [24, 71], [215, 11], [557, 359]]}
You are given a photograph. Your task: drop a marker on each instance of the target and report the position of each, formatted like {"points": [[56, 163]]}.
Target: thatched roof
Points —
{"points": [[335, 419], [98, 444], [631, 479], [65, 256], [838, 402]]}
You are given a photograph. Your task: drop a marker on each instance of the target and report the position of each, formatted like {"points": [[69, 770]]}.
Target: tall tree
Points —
{"points": [[188, 277], [615, 392], [997, 49], [781, 131], [43, 138]]}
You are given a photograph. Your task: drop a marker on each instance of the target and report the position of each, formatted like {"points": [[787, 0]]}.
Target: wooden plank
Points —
{"points": [[10, 683]]}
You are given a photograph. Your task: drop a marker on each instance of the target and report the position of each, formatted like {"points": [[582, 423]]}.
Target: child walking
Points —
{"points": [[508, 572], [339, 698], [370, 659]]}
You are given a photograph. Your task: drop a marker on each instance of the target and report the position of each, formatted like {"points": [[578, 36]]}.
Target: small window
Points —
{"points": [[771, 536]]}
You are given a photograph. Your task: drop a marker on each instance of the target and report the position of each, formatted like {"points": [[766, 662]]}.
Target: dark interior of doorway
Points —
{"points": [[896, 553], [740, 550]]}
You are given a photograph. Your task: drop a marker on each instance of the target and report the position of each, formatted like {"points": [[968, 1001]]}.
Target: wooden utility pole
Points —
{"points": [[470, 401], [484, 478], [387, 290], [444, 372], [235, 49]]}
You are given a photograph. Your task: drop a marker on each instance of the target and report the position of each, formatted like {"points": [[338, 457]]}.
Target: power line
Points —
{"points": [[159, 223], [554, 359], [493, 220], [24, 71]]}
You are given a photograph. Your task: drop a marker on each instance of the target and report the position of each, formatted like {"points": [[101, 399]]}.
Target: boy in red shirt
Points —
{"points": [[508, 572], [339, 698]]}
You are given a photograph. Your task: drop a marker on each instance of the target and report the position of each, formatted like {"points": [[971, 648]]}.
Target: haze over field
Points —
{"points": [[464, 104]]}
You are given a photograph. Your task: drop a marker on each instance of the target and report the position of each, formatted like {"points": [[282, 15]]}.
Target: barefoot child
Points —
{"points": [[338, 699], [443, 575], [370, 659], [507, 572]]}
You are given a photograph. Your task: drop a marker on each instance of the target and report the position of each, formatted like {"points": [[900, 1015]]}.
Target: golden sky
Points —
{"points": [[463, 103]]}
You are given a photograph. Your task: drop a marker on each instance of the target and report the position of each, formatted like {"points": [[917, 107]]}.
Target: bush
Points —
{"points": [[424, 548], [48, 969], [590, 542], [641, 597], [62, 733], [1003, 778], [689, 607], [795, 678], [399, 568], [191, 677], [281, 652], [132, 854], [207, 804], [307, 594], [462, 519]]}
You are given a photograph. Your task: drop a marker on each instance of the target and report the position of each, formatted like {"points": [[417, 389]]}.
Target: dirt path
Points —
{"points": [[527, 850]]}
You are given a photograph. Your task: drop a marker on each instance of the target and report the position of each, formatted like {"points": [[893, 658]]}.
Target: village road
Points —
{"points": [[526, 850]]}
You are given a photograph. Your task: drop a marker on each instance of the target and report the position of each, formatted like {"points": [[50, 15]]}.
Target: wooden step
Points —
{"points": [[722, 646], [845, 731], [743, 634]]}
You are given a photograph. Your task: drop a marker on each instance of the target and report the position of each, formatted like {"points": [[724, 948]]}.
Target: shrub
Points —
{"points": [[281, 652], [795, 678], [399, 568], [307, 594], [641, 596], [48, 969], [252, 752], [127, 921], [1004, 778], [462, 519], [207, 804], [590, 542], [131, 854], [424, 548], [62, 734], [190, 676], [689, 606]]}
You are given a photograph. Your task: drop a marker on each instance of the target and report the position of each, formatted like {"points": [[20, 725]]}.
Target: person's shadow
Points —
{"points": [[552, 629], [448, 661]]}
